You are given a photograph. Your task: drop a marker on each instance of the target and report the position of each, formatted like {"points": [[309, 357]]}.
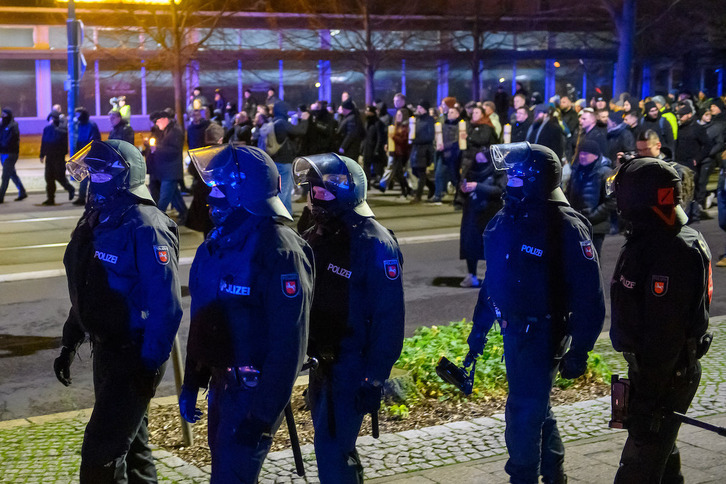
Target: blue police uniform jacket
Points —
{"points": [[358, 310], [123, 280], [661, 293], [541, 265], [251, 286]]}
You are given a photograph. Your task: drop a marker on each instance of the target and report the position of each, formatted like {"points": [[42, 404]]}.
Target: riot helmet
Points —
{"points": [[648, 192], [534, 169], [245, 175], [112, 167], [337, 183]]}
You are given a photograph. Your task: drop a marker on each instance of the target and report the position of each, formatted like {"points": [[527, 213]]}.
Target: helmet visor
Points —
{"points": [[507, 156], [306, 172], [215, 164], [96, 158]]}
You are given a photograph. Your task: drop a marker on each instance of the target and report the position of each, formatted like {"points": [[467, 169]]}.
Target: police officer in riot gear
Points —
{"points": [[251, 286], [121, 265], [660, 292], [543, 286], [356, 321]]}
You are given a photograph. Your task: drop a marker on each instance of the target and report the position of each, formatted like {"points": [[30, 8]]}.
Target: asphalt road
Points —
{"points": [[34, 300]]}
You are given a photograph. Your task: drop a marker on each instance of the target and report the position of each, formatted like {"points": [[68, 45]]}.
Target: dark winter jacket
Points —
{"points": [[478, 137], [284, 131], [85, 133], [122, 131], [422, 151], [620, 139], [479, 207], [587, 194], [519, 130], [548, 134], [239, 133], [351, 133], [55, 140], [195, 134], [9, 134], [374, 140], [661, 126], [692, 145], [166, 161]]}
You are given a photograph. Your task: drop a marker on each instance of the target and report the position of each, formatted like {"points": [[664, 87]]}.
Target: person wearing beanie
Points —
{"points": [[654, 120], [586, 191], [350, 130], [53, 151], [662, 106], [422, 150], [9, 152], [692, 149]]}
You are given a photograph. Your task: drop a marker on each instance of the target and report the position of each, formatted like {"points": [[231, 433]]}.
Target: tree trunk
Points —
{"points": [[177, 68], [370, 73], [625, 25]]}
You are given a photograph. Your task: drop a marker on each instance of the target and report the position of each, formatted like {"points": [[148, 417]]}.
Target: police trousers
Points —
{"points": [[332, 393], [115, 445], [533, 441], [650, 454], [234, 460]]}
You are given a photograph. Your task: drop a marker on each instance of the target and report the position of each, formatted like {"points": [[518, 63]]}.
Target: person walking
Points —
{"points": [[53, 151], [9, 153], [543, 286], [122, 269], [251, 285]]}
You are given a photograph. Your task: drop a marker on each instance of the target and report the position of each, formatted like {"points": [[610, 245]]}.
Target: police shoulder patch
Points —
{"points": [[161, 252], [659, 285], [290, 284], [587, 250], [390, 267]]}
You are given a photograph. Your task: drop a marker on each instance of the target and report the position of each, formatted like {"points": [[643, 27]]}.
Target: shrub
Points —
{"points": [[422, 352]]}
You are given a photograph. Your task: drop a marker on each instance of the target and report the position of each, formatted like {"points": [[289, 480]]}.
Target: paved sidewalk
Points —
{"points": [[47, 449]]}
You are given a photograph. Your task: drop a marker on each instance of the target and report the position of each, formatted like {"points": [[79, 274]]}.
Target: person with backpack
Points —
{"points": [[275, 140]]}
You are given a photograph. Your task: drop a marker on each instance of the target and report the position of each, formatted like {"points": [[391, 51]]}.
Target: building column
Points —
{"points": [[281, 77], [43, 92], [443, 81], [645, 90], [240, 86], [584, 82], [719, 86], [481, 79], [702, 80], [550, 69], [144, 108], [325, 87], [97, 88], [514, 78], [403, 77]]}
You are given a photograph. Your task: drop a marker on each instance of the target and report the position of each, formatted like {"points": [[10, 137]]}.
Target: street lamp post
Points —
{"points": [[74, 30]]}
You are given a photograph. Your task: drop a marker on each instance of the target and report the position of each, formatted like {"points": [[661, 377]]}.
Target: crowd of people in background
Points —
{"points": [[434, 154]]}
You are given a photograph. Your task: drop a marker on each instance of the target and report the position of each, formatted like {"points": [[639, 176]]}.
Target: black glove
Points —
{"points": [[62, 365], [573, 365], [188, 404], [253, 431], [477, 341], [368, 398]]}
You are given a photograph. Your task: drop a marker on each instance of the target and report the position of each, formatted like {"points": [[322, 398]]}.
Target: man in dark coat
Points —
{"points": [[654, 120], [286, 133], [122, 268], [53, 150], [661, 294], [350, 130], [546, 131], [422, 151], [520, 128], [166, 167], [251, 285], [120, 128], [692, 148], [86, 131], [9, 151], [586, 191], [543, 286]]}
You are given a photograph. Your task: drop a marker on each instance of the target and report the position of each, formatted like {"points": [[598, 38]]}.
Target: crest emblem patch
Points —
{"points": [[390, 267], [162, 254], [290, 284], [659, 285], [587, 249]]}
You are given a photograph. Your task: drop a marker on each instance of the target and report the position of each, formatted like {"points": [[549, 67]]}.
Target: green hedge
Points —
{"points": [[422, 352]]}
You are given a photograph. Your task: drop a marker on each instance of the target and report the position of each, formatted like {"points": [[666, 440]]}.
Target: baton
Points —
{"points": [[374, 424], [294, 441], [697, 423]]}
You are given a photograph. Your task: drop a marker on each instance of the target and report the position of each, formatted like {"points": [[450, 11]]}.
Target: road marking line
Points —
{"points": [[44, 219], [42, 246], [22, 276]]}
